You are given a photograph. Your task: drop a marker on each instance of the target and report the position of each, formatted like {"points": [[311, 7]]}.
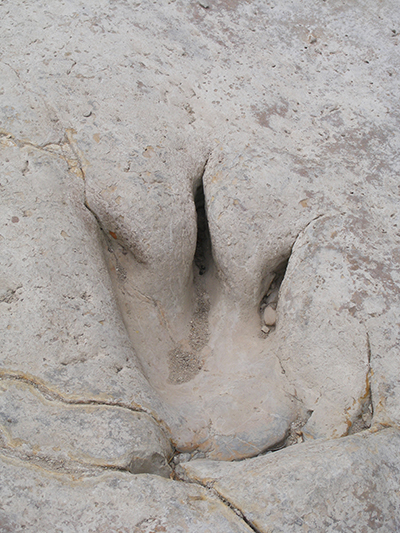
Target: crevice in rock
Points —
{"points": [[57, 397], [294, 434], [271, 296], [111, 241], [363, 420], [369, 375], [236, 510], [56, 465], [97, 219], [183, 363], [269, 301], [203, 254], [183, 477], [64, 149], [75, 467]]}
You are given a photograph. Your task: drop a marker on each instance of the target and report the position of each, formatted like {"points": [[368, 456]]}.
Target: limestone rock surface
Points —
{"points": [[76, 437], [341, 277], [34, 500], [349, 484], [61, 329], [169, 170]]}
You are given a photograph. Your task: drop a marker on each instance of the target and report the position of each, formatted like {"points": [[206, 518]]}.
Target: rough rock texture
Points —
{"points": [[59, 319], [60, 326], [349, 484], [340, 283], [169, 170], [113, 502], [75, 437]]}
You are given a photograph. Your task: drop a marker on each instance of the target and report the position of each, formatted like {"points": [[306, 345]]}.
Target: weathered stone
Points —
{"points": [[269, 316], [335, 287], [210, 146], [349, 484], [146, 145], [33, 500], [61, 323], [75, 437], [61, 329]]}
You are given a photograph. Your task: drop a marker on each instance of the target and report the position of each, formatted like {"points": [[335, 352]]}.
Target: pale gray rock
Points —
{"points": [[340, 282], [61, 329], [59, 321], [34, 500], [128, 129], [285, 118], [269, 316], [24, 113], [349, 484], [76, 437]]}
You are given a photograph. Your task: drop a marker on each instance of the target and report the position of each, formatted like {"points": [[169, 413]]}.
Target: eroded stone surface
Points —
{"points": [[284, 115], [276, 148], [73, 437], [350, 484], [59, 320], [33, 500], [341, 277], [61, 329]]}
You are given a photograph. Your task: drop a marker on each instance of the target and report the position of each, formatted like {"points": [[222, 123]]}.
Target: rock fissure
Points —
{"points": [[53, 396], [364, 418], [294, 434], [369, 374], [46, 462], [64, 149], [203, 252], [209, 487], [236, 510], [77, 466], [269, 302], [72, 435]]}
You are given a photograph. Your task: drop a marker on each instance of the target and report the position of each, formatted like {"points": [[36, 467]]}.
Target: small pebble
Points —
{"points": [[182, 458], [87, 113], [204, 4], [265, 329], [269, 316]]}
